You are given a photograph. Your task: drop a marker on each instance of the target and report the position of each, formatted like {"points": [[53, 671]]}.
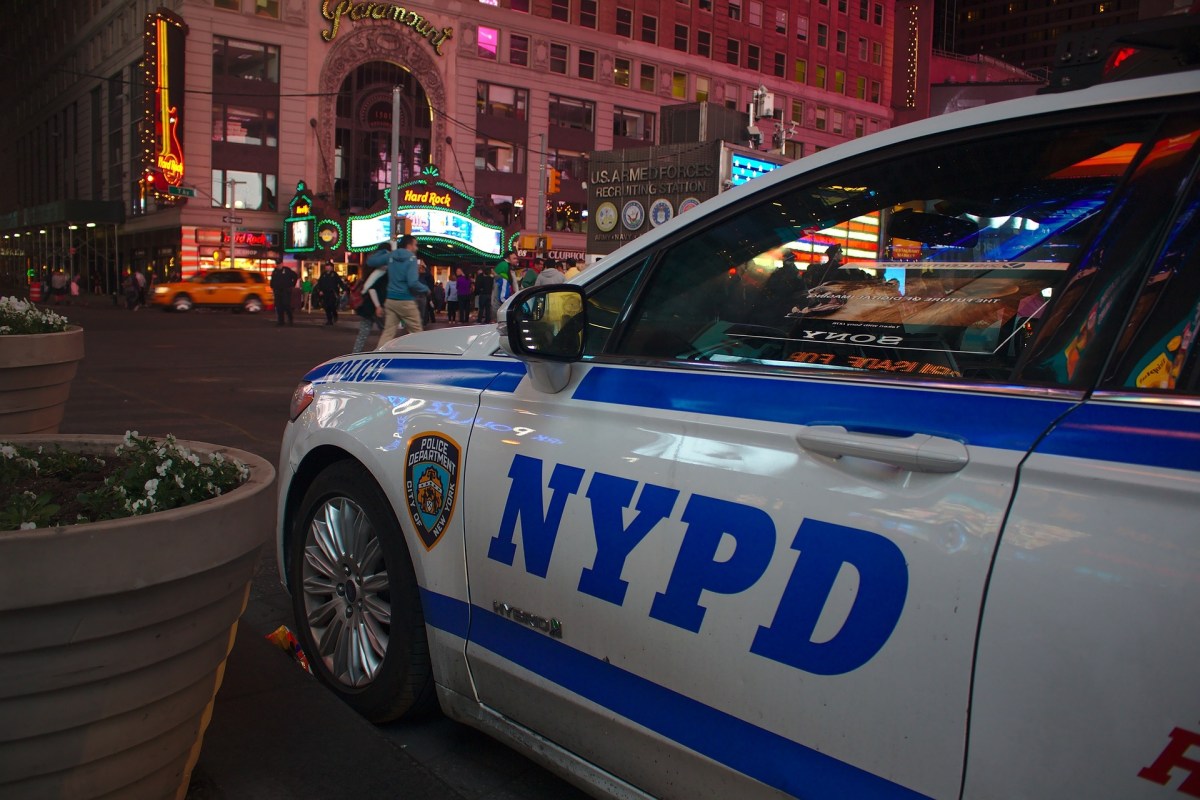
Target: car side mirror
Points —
{"points": [[544, 327]]}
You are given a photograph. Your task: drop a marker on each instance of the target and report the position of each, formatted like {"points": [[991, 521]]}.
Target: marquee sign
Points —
{"points": [[436, 213], [164, 59], [303, 231]]}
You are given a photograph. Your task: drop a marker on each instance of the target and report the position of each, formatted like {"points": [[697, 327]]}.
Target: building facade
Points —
{"points": [[506, 100]]}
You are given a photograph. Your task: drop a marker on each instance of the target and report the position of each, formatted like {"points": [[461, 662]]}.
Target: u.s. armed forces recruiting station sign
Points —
{"points": [[337, 10], [632, 191]]}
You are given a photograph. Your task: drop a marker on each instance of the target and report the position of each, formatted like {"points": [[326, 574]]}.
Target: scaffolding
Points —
{"points": [[77, 237]]}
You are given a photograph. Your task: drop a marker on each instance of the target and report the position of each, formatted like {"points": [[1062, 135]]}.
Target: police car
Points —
{"points": [[877, 476]]}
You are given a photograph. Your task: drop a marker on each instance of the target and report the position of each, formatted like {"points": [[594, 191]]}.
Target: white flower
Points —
{"points": [[28, 526], [8, 451], [162, 468], [151, 487]]}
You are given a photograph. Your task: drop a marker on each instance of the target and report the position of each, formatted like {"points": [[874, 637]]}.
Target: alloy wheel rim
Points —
{"points": [[347, 603]]}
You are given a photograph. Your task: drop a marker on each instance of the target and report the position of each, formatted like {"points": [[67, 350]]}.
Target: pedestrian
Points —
{"points": [[551, 273], [438, 298], [464, 297], [58, 286], [483, 295], [428, 312], [370, 310], [452, 300], [283, 279], [329, 289], [306, 291], [572, 269], [130, 289], [140, 278], [502, 285], [403, 287], [529, 277]]}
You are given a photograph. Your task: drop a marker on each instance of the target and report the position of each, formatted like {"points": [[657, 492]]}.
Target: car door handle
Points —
{"points": [[918, 452]]}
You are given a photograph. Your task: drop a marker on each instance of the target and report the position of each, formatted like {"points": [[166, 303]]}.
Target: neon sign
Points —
{"points": [[334, 12], [164, 58]]}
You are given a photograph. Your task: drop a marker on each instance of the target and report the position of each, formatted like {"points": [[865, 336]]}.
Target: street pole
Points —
{"points": [[232, 225], [394, 200], [541, 202]]}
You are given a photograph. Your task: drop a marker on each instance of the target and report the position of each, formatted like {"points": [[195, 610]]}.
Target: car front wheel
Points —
{"points": [[252, 305], [355, 597], [182, 303]]}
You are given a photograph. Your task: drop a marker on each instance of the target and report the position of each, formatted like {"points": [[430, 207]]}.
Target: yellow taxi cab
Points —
{"points": [[238, 289]]}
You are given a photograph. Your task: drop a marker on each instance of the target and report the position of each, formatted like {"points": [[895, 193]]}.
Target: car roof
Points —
{"points": [[1159, 86]]}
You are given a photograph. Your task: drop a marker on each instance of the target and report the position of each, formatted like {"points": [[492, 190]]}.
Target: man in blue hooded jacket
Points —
{"points": [[403, 287]]}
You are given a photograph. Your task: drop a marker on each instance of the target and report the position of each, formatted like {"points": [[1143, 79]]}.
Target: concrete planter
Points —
{"points": [[36, 371], [114, 635]]}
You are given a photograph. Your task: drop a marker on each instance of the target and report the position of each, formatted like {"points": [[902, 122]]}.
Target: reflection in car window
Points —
{"points": [[1158, 353], [927, 264]]}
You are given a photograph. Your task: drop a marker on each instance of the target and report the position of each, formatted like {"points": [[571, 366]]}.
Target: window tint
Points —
{"points": [[925, 264]]}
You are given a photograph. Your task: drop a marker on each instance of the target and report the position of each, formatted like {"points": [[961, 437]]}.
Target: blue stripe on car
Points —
{"points": [[765, 756], [455, 372]]}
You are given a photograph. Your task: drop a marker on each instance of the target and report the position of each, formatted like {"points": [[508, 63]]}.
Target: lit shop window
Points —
{"points": [[253, 191], [494, 100], [487, 43], [629, 123], [245, 125]]}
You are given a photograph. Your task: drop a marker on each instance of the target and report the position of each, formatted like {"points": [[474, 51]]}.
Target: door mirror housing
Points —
{"points": [[544, 326]]}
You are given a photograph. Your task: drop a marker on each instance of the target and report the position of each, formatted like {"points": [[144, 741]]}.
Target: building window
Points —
{"points": [[839, 81], [679, 85], [494, 100], [801, 71], [625, 23], [704, 5], [649, 29], [819, 76], [733, 51], [753, 57], [559, 54], [819, 120], [704, 44], [876, 53], [755, 9], [798, 112], [841, 6], [245, 125], [560, 10], [266, 8], [587, 13], [841, 41], [567, 112], [631, 124], [838, 117], [519, 5], [780, 65], [802, 29], [587, 65], [493, 155], [490, 2], [228, 5], [860, 127], [822, 35], [622, 67], [781, 18], [647, 78], [875, 91], [234, 58], [682, 37], [256, 191], [860, 88], [878, 14], [735, 9], [487, 43], [862, 48], [703, 89], [518, 50], [864, 7]]}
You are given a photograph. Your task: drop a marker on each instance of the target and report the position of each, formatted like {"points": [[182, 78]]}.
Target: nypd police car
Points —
{"points": [[877, 476]]}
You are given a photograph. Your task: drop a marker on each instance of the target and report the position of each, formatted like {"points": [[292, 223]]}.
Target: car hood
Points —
{"points": [[457, 341]]}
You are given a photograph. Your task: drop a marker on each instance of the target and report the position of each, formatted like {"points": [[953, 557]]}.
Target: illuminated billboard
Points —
{"points": [[162, 154]]}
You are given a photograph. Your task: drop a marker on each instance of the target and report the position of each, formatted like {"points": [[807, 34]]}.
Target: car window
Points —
{"points": [[214, 277], [926, 263], [254, 277], [1158, 353]]}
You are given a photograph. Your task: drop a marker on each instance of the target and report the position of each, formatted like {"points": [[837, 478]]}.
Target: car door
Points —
{"points": [[1092, 618], [743, 552]]}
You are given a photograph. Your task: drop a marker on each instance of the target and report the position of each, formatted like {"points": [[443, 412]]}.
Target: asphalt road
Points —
{"points": [[225, 378]]}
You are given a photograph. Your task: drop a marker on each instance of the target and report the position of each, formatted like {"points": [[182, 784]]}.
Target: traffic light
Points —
{"points": [[552, 181]]}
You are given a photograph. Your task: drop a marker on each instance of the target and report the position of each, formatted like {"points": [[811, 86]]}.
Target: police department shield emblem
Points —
{"points": [[431, 484]]}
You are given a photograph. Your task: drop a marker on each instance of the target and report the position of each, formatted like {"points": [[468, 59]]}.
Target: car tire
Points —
{"points": [[355, 597], [182, 302], [252, 304]]}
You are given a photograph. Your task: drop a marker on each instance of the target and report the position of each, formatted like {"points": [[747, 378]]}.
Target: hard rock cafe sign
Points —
{"points": [[338, 10], [164, 57]]}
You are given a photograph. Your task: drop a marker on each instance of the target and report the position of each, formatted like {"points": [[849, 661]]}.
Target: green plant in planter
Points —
{"points": [[18, 317], [56, 487]]}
